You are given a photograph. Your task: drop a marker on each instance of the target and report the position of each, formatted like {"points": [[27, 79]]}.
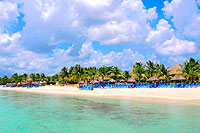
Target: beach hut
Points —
{"points": [[106, 79], [131, 80], [178, 78], [176, 69], [122, 81], [28, 83], [29, 80], [152, 79], [95, 82], [112, 81], [81, 82]]}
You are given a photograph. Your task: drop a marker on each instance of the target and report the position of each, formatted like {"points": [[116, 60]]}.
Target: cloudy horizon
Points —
{"points": [[44, 36]]}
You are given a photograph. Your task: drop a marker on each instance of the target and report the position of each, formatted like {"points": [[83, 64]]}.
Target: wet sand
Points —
{"points": [[166, 95]]}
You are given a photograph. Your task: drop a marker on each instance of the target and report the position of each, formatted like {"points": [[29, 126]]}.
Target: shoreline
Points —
{"points": [[159, 95]]}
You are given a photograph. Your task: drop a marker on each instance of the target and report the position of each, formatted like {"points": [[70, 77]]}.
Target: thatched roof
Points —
{"points": [[178, 78], [152, 79], [122, 81], [81, 82], [106, 78], [95, 82], [100, 80], [176, 69], [29, 79], [56, 74], [131, 80], [112, 81]]}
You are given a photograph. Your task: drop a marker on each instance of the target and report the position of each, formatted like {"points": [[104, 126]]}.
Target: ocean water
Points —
{"points": [[42, 113]]}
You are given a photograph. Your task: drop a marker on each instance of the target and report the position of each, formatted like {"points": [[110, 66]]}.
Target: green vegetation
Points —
{"points": [[141, 72]]}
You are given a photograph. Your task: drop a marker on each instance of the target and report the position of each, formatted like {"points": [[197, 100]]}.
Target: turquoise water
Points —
{"points": [[26, 112]]}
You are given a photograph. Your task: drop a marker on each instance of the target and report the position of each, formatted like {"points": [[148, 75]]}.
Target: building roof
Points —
{"points": [[176, 69]]}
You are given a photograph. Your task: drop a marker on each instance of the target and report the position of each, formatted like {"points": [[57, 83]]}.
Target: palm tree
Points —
{"points": [[25, 76], [92, 72], [139, 70], [77, 73], [32, 76], [14, 78], [126, 74], [4, 80], [42, 76], [103, 71], [20, 78], [191, 69], [163, 72], [116, 73], [64, 73], [37, 77], [151, 68]]}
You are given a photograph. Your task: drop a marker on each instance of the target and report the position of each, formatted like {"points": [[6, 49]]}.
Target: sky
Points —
{"points": [[44, 35]]}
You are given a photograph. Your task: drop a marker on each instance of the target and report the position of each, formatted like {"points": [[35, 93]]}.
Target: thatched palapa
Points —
{"points": [[178, 78], [121, 81], [112, 81], [176, 69], [131, 80], [152, 79], [81, 82]]}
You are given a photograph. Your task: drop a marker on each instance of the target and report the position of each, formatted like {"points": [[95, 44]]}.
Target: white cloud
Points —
{"points": [[8, 44], [50, 23], [123, 26], [8, 13], [162, 33], [176, 47], [164, 40], [185, 17]]}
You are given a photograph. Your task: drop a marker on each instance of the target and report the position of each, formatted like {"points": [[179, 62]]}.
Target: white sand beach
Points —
{"points": [[170, 95]]}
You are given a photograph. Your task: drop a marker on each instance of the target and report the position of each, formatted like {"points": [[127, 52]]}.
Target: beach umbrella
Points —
{"points": [[160, 78], [112, 81], [106, 79], [122, 81], [178, 78], [18, 83], [152, 79], [28, 83], [29, 79], [100, 80], [81, 82], [44, 82], [95, 82], [131, 80]]}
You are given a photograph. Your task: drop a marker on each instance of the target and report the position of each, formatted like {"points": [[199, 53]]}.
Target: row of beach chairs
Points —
{"points": [[148, 85], [23, 85], [89, 87]]}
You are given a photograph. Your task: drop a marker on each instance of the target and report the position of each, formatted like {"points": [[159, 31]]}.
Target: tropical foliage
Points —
{"points": [[141, 72]]}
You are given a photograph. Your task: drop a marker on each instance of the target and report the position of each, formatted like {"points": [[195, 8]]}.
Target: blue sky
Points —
{"points": [[44, 36]]}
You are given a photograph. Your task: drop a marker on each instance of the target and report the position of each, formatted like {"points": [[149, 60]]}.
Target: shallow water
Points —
{"points": [[26, 112]]}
